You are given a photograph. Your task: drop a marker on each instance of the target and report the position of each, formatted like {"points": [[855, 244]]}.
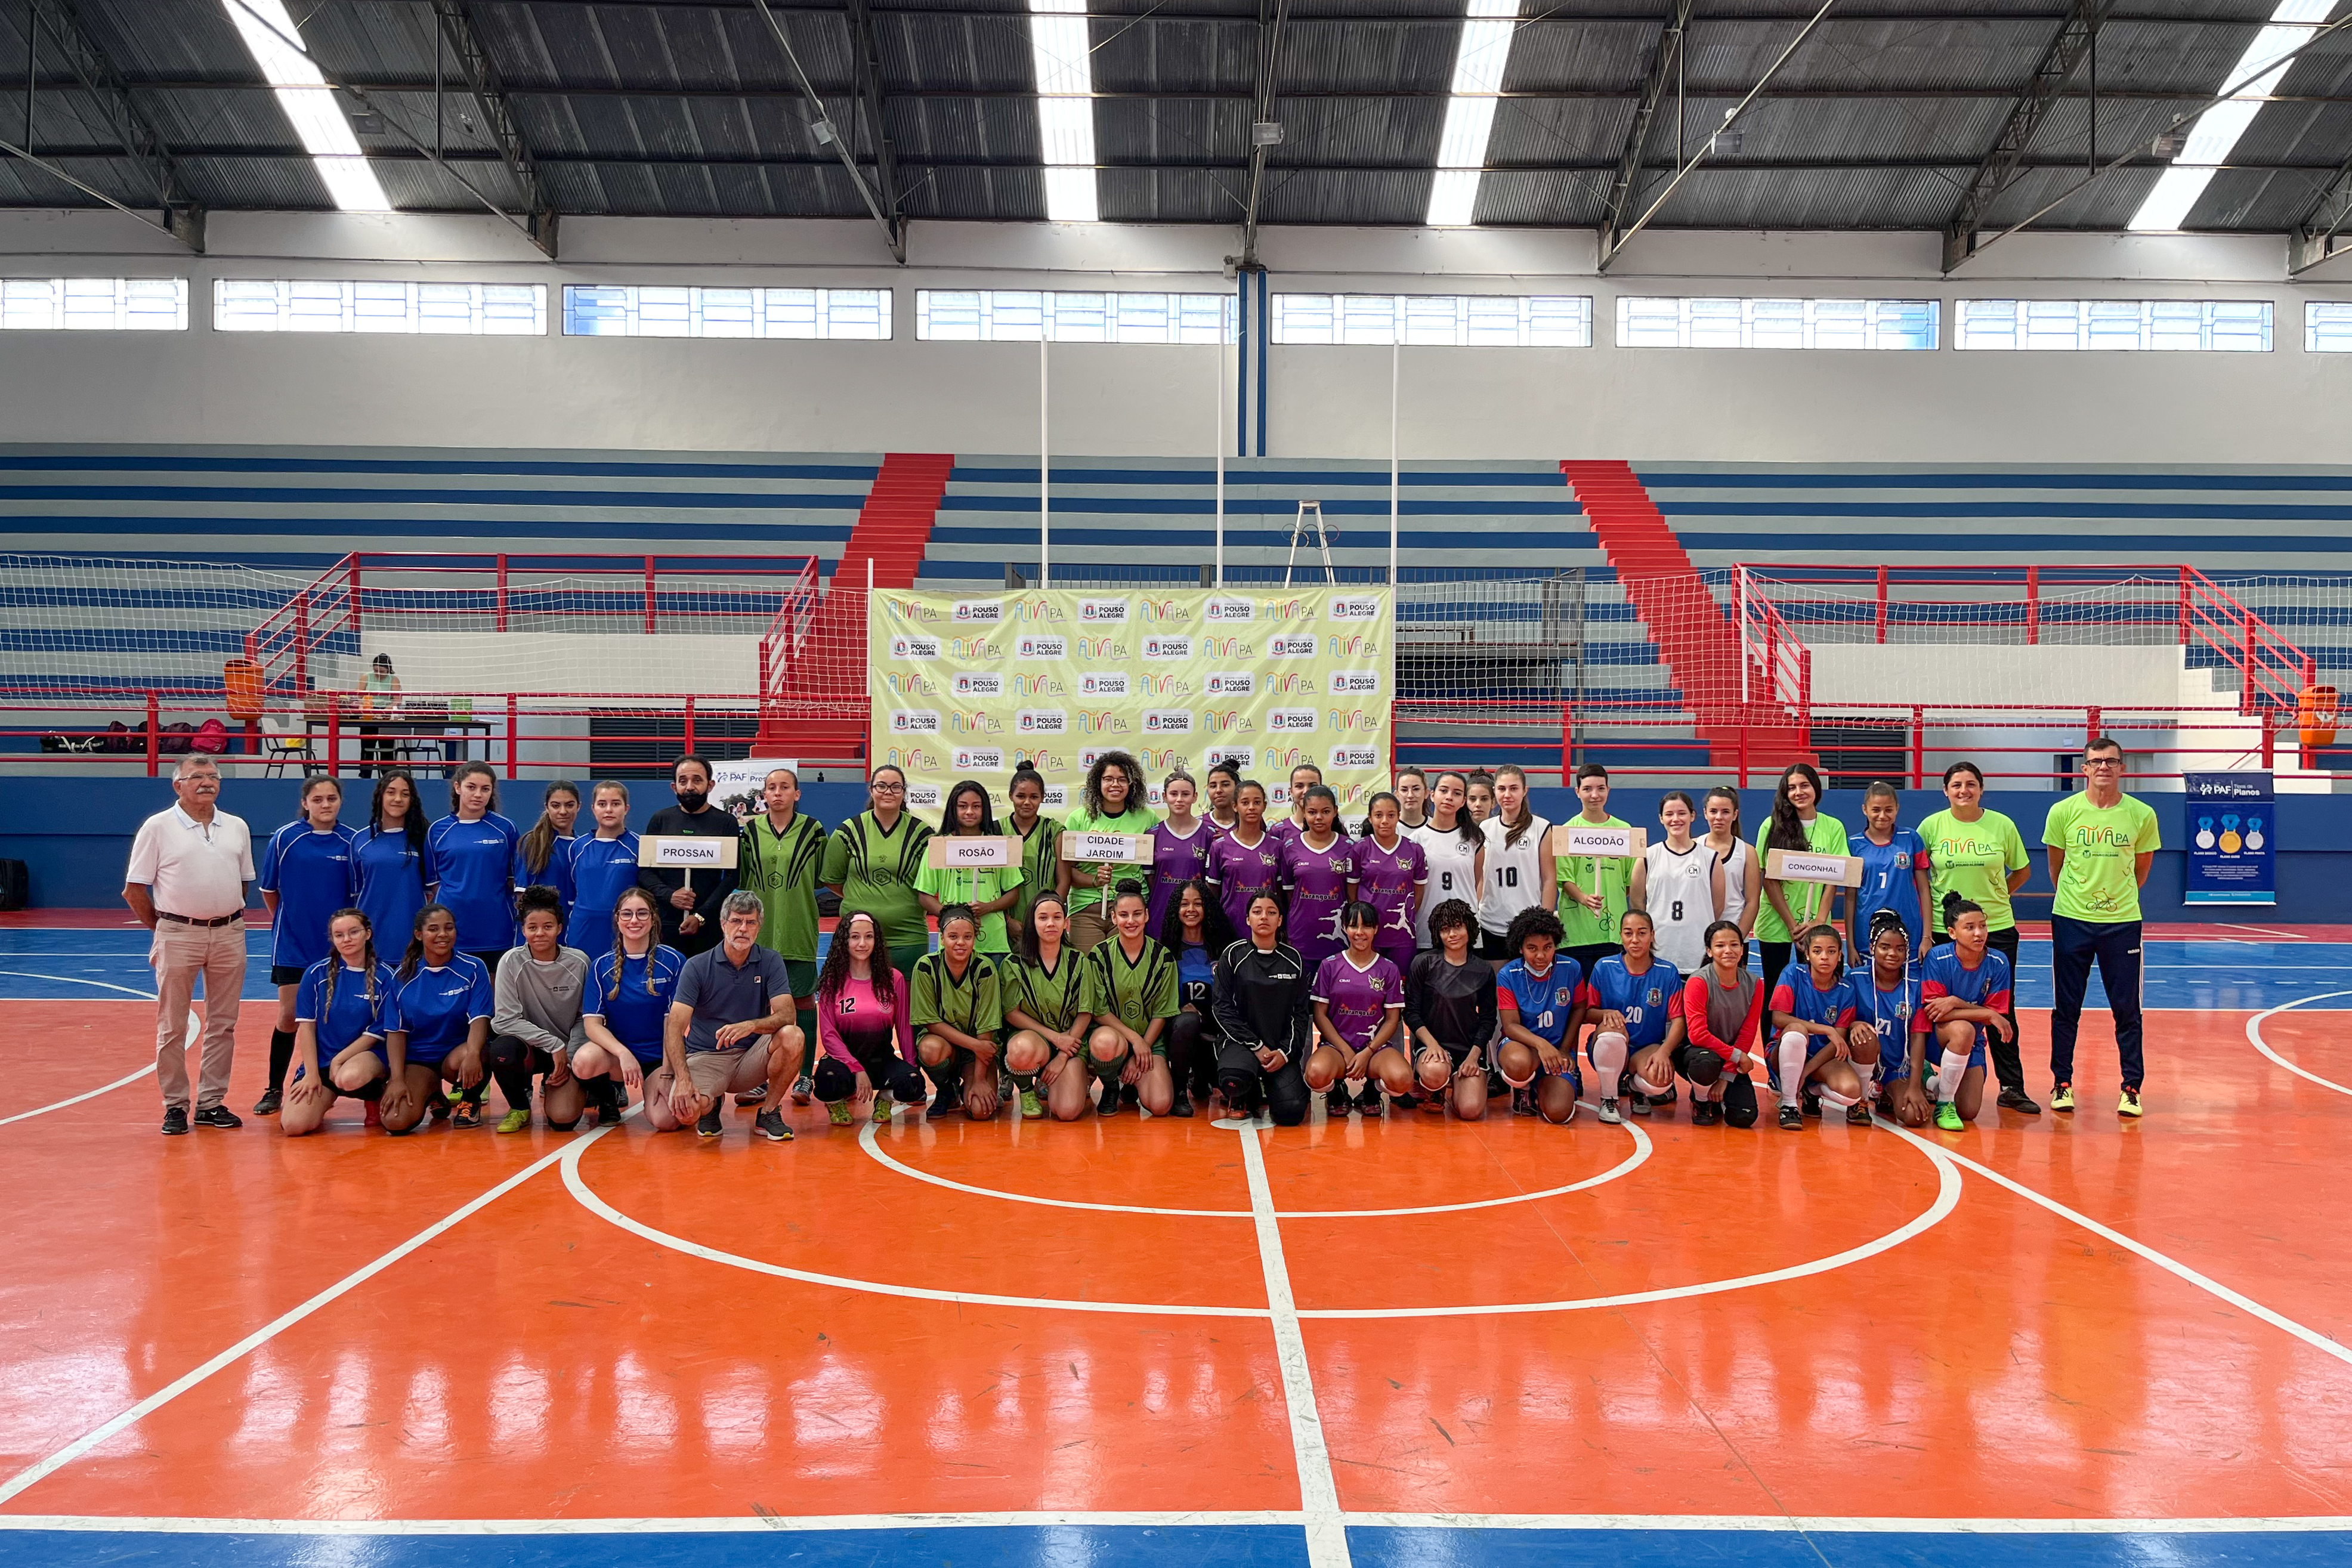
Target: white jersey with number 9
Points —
{"points": [[1453, 873]]}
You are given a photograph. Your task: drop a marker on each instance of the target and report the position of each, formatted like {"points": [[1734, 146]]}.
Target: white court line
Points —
{"points": [[2254, 1034], [1641, 1150], [1947, 1196], [196, 1023], [2311, 1337], [588, 1199], [1319, 1494], [271, 1330], [2264, 930], [740, 1524]]}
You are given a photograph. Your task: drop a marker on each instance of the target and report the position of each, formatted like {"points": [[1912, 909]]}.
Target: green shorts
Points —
{"points": [[903, 959], [803, 973]]}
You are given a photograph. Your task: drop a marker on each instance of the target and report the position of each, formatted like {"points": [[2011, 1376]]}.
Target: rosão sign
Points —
{"points": [[968, 687]]}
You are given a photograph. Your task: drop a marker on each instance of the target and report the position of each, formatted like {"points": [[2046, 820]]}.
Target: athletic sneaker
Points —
{"points": [[769, 1124], [1182, 1105], [945, 1100], [373, 1116], [1947, 1116], [1811, 1104], [1108, 1104], [219, 1116], [884, 1106], [1858, 1114], [268, 1104], [466, 1114], [2019, 1101], [755, 1095], [1706, 1114], [1608, 1114], [1640, 1105], [837, 1112], [514, 1122], [176, 1121], [1030, 1105], [1791, 1119], [2129, 1104], [2062, 1098], [804, 1089], [1523, 1103]]}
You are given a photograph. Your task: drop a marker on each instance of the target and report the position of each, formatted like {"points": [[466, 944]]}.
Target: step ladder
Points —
{"points": [[1322, 535]]}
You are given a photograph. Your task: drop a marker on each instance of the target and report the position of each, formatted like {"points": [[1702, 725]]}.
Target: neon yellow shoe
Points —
{"points": [[514, 1122], [882, 1108], [1948, 1118], [2062, 1098], [1031, 1107], [837, 1112], [2129, 1104]]}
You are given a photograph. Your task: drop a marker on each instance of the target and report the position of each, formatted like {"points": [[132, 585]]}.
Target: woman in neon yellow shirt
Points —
{"points": [[1980, 855], [1798, 823]]}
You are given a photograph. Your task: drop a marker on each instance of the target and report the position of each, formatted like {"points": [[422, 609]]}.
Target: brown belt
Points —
{"points": [[185, 920]]}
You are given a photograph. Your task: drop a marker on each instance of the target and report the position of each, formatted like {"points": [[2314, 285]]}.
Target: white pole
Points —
{"points": [[1395, 351], [1044, 499], [1743, 636], [1217, 446]]}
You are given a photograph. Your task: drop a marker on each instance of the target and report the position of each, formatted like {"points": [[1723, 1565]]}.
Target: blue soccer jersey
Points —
{"points": [[1986, 985], [1801, 999], [392, 878], [1888, 880], [1893, 1014], [435, 1007], [556, 873], [351, 1013], [1644, 999], [601, 870], [313, 874], [475, 867], [1540, 1004], [632, 995]]}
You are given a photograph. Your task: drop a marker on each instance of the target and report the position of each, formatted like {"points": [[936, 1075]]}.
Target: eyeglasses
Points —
{"points": [[2103, 762], [885, 788]]}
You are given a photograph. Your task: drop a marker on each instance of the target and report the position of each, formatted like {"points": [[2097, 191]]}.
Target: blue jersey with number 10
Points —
{"points": [[1543, 1002], [1644, 999]]}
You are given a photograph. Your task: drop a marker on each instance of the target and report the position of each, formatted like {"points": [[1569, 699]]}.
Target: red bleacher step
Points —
{"points": [[1699, 646], [893, 530]]}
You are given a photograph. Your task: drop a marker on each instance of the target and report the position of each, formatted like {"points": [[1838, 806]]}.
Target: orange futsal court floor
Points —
{"points": [[1409, 1340]]}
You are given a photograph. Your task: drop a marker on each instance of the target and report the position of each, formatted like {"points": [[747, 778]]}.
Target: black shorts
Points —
{"points": [[1492, 947], [1592, 952], [286, 973]]}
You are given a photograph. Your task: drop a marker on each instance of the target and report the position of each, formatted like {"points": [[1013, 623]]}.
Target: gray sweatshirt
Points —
{"points": [[537, 1003]]}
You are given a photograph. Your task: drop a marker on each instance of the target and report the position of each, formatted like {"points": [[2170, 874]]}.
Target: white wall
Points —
{"points": [[2146, 676], [200, 386]]}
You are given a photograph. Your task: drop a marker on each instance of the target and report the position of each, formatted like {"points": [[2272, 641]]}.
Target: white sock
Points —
{"points": [[1609, 1057], [1831, 1097], [1953, 1069], [1795, 1046]]}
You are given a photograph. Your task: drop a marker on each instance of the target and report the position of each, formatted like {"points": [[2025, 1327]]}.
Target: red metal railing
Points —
{"points": [[2173, 602], [510, 591]]}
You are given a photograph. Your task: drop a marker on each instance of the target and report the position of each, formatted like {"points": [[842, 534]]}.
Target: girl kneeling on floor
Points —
{"points": [[1722, 1010], [862, 1027], [1449, 1011], [1541, 993], [1046, 1007], [1359, 999], [339, 1020], [631, 989], [1964, 989], [1131, 992], [1816, 1058]]}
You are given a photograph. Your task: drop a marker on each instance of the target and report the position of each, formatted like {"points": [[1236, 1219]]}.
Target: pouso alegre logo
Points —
{"points": [[1355, 682], [1290, 720], [1102, 612], [1231, 684], [1103, 684], [1231, 610], [1295, 647], [1167, 721], [1168, 647], [1039, 645], [979, 760], [1354, 608], [968, 684], [1042, 721], [980, 612], [914, 721], [908, 646], [1355, 756], [923, 797]]}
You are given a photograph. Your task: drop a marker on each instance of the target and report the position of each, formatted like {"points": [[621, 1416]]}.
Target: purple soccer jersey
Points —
{"points": [[1318, 881], [1357, 1000], [1175, 862], [1390, 880], [1241, 872]]}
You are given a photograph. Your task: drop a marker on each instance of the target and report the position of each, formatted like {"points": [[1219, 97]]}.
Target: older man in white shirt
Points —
{"points": [[189, 870]]}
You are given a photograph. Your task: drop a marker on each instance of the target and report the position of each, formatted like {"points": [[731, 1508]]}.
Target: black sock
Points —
{"points": [[947, 1077], [281, 1057]]}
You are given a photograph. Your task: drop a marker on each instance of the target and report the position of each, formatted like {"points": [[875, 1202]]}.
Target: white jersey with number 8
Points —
{"points": [[1453, 873], [1681, 902]]}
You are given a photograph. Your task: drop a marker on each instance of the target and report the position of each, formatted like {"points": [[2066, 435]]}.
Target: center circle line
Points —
{"points": [[868, 1141], [2254, 1037]]}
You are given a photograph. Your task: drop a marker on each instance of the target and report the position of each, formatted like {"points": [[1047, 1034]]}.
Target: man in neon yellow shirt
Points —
{"points": [[2101, 843]]}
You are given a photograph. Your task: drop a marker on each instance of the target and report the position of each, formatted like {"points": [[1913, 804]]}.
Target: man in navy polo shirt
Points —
{"points": [[730, 1026]]}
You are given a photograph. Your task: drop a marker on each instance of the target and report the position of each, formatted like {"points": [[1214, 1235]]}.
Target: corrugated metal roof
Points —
{"points": [[1877, 121]]}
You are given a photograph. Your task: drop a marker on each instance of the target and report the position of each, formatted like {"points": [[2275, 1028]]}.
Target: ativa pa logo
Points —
{"points": [[916, 685], [979, 722], [977, 650], [1035, 686]]}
